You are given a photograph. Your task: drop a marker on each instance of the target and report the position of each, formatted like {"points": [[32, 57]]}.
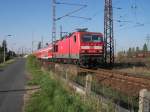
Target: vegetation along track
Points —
{"points": [[124, 82]]}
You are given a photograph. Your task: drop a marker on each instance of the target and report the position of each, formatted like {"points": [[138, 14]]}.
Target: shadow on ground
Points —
{"points": [[129, 65], [1, 70]]}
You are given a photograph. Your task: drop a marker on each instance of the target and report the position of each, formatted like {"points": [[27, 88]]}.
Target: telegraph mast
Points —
{"points": [[108, 33], [53, 20]]}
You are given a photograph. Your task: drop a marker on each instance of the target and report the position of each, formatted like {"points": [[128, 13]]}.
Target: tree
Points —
{"points": [[46, 44], [8, 54], [133, 50], [4, 45], [1, 54], [145, 48], [39, 45], [129, 53], [137, 49]]}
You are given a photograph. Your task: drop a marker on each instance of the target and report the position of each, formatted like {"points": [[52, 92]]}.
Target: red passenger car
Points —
{"points": [[44, 53]]}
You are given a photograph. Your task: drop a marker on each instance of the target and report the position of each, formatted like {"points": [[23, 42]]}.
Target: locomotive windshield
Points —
{"points": [[86, 38], [92, 38]]}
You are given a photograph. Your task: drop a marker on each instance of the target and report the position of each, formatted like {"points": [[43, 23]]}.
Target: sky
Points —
{"points": [[28, 20]]}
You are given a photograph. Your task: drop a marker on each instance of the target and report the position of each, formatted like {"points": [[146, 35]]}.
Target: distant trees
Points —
{"points": [[137, 49], [46, 44], [39, 45], [129, 52], [8, 54], [1, 54], [145, 48], [133, 51], [4, 45]]}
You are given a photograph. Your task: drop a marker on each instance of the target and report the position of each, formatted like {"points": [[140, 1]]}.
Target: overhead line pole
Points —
{"points": [[148, 41], [108, 33], [53, 24], [54, 20]]}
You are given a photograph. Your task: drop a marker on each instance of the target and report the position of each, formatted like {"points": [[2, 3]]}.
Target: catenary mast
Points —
{"points": [[108, 33], [53, 20]]}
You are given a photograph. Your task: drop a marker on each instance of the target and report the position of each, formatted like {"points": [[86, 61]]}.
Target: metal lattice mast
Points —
{"points": [[53, 20], [108, 33]]}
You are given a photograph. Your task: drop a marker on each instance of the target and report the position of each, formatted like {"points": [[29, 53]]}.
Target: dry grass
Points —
{"points": [[142, 71]]}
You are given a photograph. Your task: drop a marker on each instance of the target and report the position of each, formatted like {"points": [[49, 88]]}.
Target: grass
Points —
{"points": [[2, 65], [110, 93], [53, 96], [116, 96]]}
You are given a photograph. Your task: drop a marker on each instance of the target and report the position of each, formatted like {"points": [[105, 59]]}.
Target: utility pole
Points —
{"points": [[69, 14], [108, 33], [32, 41], [42, 42], [61, 31], [22, 51], [53, 25], [4, 51], [148, 41], [54, 20], [5, 44]]}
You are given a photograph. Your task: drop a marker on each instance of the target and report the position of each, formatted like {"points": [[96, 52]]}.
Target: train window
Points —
{"points": [[97, 38], [56, 48], [75, 39], [86, 38], [92, 38]]}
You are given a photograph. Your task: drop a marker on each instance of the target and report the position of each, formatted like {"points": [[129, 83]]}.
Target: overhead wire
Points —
{"points": [[81, 17], [134, 6], [70, 14], [73, 4]]}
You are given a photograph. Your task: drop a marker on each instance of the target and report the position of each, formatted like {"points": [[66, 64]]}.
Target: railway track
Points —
{"points": [[127, 83]]}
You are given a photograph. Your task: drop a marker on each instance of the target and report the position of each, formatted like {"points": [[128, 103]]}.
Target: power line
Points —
{"points": [[70, 13], [81, 17], [73, 4]]}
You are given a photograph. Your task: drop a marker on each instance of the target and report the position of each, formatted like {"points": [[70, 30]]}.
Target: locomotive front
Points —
{"points": [[91, 49]]}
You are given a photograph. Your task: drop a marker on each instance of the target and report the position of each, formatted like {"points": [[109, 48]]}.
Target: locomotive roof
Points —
{"points": [[45, 48], [70, 34]]}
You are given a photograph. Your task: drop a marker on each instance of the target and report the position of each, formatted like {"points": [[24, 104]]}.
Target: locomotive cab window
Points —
{"points": [[97, 38], [92, 38], [75, 39], [86, 38]]}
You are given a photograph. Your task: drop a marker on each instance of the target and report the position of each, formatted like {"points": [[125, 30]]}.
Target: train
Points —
{"points": [[80, 47]]}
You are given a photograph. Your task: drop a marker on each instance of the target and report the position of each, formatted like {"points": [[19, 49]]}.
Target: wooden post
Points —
{"points": [[66, 75], [88, 84], [144, 101]]}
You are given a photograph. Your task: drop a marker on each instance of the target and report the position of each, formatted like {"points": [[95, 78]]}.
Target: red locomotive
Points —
{"points": [[81, 47]]}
